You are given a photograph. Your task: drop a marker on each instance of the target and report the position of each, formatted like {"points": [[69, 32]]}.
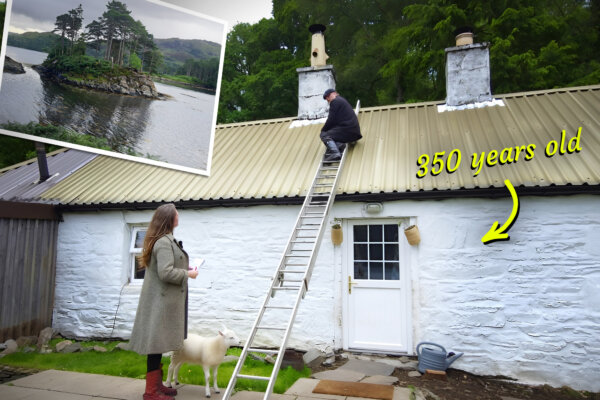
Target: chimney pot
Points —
{"points": [[465, 38], [463, 35], [318, 56]]}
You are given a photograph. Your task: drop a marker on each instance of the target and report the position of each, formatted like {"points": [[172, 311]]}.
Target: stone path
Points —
{"points": [[65, 385]]}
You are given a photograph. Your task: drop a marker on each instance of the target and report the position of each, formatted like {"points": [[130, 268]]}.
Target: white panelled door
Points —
{"points": [[377, 287]]}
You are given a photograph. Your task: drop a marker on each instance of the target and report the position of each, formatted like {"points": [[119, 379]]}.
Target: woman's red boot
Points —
{"points": [[163, 389], [153, 382]]}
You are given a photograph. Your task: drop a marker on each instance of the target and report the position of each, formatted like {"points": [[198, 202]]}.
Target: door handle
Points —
{"points": [[350, 283]]}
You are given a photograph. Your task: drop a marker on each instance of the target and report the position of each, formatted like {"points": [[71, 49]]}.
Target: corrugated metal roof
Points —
{"points": [[21, 181], [267, 159]]}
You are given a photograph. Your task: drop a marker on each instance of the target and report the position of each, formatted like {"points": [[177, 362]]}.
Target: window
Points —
{"points": [[138, 233], [376, 252]]}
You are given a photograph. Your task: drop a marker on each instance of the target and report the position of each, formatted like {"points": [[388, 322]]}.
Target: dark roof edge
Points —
{"points": [[492, 192], [21, 210]]}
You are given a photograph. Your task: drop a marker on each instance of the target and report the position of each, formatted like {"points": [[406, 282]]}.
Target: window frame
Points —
{"points": [[135, 251], [368, 243]]}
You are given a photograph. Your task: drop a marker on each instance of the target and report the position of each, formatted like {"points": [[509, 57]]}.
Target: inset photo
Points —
{"points": [[4, 11], [135, 79]]}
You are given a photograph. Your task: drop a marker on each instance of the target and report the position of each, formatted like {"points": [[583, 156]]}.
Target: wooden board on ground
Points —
{"points": [[355, 389]]}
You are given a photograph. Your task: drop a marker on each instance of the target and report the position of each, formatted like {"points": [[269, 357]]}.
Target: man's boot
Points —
{"points": [[334, 152], [341, 146], [153, 380]]}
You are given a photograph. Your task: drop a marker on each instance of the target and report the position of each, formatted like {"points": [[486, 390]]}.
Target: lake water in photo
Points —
{"points": [[176, 130]]}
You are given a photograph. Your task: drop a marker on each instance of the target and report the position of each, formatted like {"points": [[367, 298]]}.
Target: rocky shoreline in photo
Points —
{"points": [[13, 67], [134, 84]]}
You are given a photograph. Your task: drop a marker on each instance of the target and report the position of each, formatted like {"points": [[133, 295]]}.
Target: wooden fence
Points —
{"points": [[28, 237]]}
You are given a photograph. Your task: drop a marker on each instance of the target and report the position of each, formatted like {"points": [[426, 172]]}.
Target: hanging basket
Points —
{"points": [[412, 235], [336, 235]]}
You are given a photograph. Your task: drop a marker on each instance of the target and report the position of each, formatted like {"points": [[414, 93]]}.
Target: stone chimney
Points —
{"points": [[314, 80], [467, 70]]}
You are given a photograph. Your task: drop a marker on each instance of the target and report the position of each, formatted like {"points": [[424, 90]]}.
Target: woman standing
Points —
{"points": [[161, 320]]}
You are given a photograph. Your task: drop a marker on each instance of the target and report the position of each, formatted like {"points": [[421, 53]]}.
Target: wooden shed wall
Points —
{"points": [[27, 275]]}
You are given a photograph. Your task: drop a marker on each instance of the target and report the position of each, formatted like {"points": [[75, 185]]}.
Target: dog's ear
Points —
{"points": [[221, 333]]}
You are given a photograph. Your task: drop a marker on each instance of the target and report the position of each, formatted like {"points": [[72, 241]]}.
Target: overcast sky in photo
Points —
{"points": [[161, 20]]}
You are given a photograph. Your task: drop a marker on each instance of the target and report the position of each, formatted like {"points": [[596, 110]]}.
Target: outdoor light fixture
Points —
{"points": [[373, 208]]}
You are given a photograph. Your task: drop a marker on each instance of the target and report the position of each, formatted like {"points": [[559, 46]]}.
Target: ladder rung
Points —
{"points": [[294, 271], [303, 241], [256, 378], [265, 351], [291, 280], [280, 307], [287, 287], [275, 328], [306, 229], [291, 255]]}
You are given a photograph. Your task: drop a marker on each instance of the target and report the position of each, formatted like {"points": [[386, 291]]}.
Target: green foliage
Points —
{"points": [[130, 364], [57, 133], [135, 62], [83, 67], [37, 41], [393, 51], [205, 72], [14, 150], [2, 15]]}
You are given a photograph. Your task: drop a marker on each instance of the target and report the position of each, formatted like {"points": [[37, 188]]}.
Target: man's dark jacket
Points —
{"points": [[342, 124]]}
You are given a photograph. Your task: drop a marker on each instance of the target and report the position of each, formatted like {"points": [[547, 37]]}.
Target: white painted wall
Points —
{"points": [[527, 308]]}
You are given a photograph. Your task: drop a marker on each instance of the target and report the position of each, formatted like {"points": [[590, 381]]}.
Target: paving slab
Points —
{"points": [[380, 380], [8, 392], [247, 395], [400, 393], [303, 388], [368, 368], [344, 375]]}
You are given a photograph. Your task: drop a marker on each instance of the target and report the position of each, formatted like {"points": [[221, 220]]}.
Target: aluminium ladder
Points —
{"points": [[292, 276]]}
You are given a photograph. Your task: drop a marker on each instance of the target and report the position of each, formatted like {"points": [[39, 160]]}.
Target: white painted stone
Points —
{"points": [[520, 308]]}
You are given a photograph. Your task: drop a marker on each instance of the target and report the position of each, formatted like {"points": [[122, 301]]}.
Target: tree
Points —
{"points": [[393, 51], [61, 25], [74, 24], [95, 33]]}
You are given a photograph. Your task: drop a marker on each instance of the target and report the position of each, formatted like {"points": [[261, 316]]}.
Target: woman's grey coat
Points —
{"points": [[160, 320]]}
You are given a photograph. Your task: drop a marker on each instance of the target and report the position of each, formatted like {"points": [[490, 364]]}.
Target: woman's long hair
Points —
{"points": [[161, 224]]}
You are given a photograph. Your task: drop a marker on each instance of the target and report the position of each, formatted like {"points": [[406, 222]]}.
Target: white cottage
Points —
{"points": [[526, 307]]}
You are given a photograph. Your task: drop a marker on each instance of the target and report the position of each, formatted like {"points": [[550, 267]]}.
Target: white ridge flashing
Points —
{"points": [[298, 123], [496, 102]]}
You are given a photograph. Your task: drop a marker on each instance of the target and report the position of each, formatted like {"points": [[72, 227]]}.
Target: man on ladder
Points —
{"points": [[341, 126]]}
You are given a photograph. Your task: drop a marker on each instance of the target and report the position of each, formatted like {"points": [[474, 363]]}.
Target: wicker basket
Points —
{"points": [[336, 235], [412, 235]]}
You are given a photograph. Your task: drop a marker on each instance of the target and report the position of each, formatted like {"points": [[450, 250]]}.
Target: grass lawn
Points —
{"points": [[132, 365]]}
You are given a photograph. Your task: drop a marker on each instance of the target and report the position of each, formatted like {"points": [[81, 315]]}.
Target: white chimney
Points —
{"points": [[467, 71], [314, 80]]}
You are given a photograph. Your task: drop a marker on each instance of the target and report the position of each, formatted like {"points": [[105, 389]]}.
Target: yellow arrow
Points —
{"points": [[495, 234]]}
